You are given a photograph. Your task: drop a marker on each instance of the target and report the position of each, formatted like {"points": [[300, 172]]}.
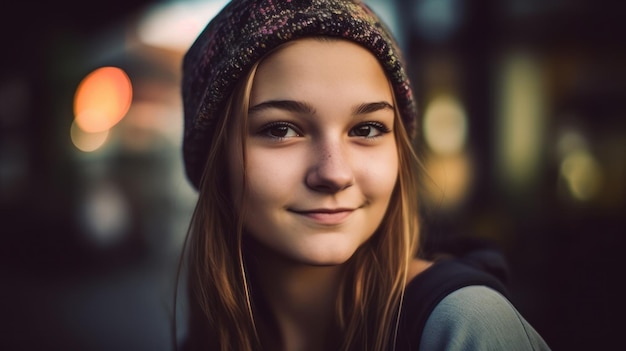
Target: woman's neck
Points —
{"points": [[301, 300]]}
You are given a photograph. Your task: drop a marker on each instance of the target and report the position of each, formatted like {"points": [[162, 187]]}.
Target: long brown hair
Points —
{"points": [[221, 313]]}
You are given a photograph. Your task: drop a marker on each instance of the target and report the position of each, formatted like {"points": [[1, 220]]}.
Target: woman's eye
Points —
{"points": [[369, 130], [279, 131]]}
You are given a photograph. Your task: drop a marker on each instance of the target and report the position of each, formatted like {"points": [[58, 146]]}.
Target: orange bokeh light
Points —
{"points": [[102, 99]]}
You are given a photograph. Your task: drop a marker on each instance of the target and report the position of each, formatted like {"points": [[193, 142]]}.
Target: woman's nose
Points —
{"points": [[331, 171]]}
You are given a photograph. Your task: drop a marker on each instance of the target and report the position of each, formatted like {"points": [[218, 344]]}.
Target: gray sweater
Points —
{"points": [[478, 318]]}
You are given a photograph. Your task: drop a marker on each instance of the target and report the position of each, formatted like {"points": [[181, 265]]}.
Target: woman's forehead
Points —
{"points": [[310, 69]]}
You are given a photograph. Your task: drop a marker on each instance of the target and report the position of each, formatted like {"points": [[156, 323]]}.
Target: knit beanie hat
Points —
{"points": [[245, 30]]}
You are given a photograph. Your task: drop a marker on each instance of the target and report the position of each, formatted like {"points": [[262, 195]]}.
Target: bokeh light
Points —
{"points": [[102, 99], [451, 179], [445, 125], [583, 174], [176, 25], [437, 20], [520, 121], [104, 214], [87, 142]]}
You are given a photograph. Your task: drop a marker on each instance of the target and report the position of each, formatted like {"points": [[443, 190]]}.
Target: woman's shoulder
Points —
{"points": [[455, 304], [478, 318]]}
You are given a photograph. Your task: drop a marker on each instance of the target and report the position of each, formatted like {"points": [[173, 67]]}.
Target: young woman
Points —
{"points": [[298, 126]]}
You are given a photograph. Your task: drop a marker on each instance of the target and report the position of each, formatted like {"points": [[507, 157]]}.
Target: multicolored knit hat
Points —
{"points": [[245, 30]]}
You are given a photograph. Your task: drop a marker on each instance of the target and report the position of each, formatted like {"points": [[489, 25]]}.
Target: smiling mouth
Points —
{"points": [[326, 216]]}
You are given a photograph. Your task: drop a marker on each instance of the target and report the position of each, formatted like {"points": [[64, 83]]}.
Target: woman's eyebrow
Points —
{"points": [[287, 105], [372, 107]]}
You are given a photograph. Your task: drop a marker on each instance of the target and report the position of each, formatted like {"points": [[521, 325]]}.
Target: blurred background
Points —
{"points": [[523, 134]]}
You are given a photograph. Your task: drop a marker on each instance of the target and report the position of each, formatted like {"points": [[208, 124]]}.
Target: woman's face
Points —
{"points": [[321, 156]]}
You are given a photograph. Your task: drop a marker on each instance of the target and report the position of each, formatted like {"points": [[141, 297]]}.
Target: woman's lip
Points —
{"points": [[326, 216]]}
